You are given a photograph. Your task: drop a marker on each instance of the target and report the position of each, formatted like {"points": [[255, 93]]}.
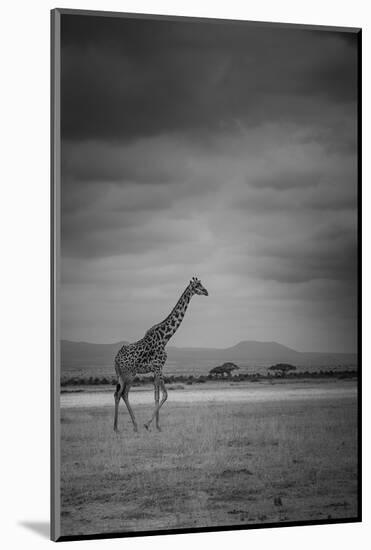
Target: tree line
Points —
{"points": [[227, 371]]}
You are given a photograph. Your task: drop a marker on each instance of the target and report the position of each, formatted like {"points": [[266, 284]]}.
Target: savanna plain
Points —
{"points": [[215, 463]]}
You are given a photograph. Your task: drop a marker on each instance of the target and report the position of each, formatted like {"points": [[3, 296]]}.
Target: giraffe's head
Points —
{"points": [[197, 287]]}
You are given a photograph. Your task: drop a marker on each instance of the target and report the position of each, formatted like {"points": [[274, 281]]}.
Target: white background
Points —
{"points": [[24, 301]]}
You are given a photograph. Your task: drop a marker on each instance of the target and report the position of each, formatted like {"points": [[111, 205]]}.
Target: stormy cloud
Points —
{"points": [[125, 78], [226, 151]]}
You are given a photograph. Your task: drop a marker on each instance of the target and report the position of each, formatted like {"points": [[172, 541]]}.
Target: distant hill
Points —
{"points": [[83, 358], [244, 351]]}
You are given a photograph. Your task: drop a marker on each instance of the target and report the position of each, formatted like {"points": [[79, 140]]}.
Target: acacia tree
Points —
{"points": [[281, 369], [225, 369]]}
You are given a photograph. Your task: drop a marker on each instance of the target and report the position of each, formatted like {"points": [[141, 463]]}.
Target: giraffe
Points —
{"points": [[149, 355]]}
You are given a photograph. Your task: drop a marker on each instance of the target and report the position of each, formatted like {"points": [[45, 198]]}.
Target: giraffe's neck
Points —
{"points": [[167, 328]]}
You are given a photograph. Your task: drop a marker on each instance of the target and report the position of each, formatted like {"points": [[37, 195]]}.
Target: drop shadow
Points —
{"points": [[41, 528]]}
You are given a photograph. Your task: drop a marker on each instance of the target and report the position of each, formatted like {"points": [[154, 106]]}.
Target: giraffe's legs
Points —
{"points": [[125, 397], [157, 399], [117, 395], [158, 405]]}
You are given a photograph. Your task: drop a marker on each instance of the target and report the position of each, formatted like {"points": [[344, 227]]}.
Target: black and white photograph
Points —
{"points": [[206, 365]]}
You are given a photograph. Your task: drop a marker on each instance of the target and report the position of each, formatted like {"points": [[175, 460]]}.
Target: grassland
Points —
{"points": [[214, 464]]}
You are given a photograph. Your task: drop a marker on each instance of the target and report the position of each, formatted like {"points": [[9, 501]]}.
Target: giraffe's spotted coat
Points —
{"points": [[148, 354]]}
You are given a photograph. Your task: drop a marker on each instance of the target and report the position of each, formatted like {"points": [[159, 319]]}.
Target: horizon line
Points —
{"points": [[215, 347]]}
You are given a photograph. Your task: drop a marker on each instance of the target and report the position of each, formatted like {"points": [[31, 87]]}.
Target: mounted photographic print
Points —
{"points": [[205, 286]]}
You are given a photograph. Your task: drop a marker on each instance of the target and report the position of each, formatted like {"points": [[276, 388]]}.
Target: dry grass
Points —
{"points": [[212, 465]]}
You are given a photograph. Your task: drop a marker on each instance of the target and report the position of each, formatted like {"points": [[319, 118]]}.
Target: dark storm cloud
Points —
{"points": [[311, 198], [110, 192], [127, 78], [333, 258], [117, 240], [141, 162], [122, 220], [294, 249], [286, 181]]}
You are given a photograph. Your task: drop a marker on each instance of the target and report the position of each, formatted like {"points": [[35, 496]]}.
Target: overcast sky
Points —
{"points": [[224, 151]]}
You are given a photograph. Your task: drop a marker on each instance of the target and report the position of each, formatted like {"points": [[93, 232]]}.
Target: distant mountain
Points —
{"points": [[246, 350], [262, 352], [84, 357]]}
